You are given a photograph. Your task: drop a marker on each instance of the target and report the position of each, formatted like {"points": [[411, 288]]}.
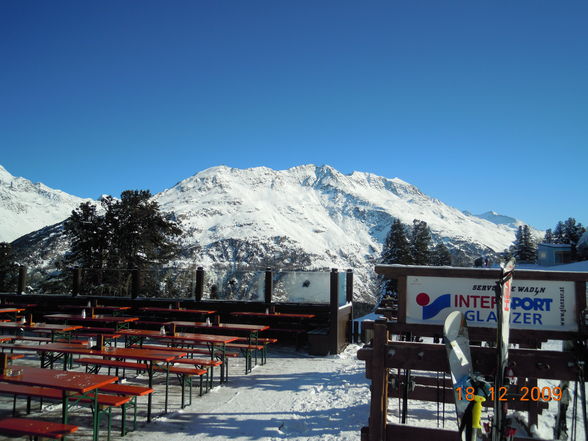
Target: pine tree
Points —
{"points": [[524, 248], [396, 248], [88, 234], [558, 233], [8, 268], [548, 236], [132, 233], [440, 255], [420, 243], [572, 233], [144, 235]]}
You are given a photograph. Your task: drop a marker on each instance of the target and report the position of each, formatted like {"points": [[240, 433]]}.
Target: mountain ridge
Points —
{"points": [[304, 217]]}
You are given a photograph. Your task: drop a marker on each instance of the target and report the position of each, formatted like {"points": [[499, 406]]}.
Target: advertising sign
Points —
{"points": [[535, 304]]}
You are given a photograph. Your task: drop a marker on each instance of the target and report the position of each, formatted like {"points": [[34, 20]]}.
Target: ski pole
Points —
{"points": [[477, 416]]}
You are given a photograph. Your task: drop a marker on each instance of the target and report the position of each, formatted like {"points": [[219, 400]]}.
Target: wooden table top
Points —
{"points": [[49, 347], [100, 318], [18, 305], [79, 382], [72, 348], [176, 310], [182, 336], [273, 314], [9, 310], [44, 326], [227, 326], [103, 307]]}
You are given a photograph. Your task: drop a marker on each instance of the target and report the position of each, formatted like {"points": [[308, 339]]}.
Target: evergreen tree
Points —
{"points": [[142, 233], [568, 232], [396, 248], [420, 243], [440, 255], [89, 237], [558, 233], [548, 236], [132, 233], [8, 268], [524, 248], [573, 232]]}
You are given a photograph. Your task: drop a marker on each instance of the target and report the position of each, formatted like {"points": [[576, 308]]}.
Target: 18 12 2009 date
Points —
{"points": [[504, 393]]}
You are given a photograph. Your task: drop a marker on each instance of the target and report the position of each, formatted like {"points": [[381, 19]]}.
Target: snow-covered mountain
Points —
{"points": [[26, 206], [311, 216], [306, 217], [500, 219]]}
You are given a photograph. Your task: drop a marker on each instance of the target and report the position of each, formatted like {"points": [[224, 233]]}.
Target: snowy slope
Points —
{"points": [[318, 208], [306, 217], [27, 206], [500, 219], [314, 217]]}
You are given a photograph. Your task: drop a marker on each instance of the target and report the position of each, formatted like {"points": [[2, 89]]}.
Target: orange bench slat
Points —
{"points": [[30, 427]]}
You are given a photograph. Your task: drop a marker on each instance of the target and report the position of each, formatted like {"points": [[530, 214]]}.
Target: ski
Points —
{"points": [[503, 300], [466, 387]]}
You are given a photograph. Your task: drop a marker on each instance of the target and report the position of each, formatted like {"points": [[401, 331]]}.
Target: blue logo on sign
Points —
{"points": [[430, 310]]}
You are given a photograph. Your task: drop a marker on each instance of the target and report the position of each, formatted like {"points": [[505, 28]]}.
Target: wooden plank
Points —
{"points": [[519, 336], [379, 387], [397, 271], [552, 365], [416, 433]]}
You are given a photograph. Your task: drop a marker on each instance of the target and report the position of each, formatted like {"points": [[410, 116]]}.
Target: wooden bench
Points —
{"points": [[35, 428], [128, 390], [185, 377], [105, 402], [93, 365], [201, 351], [98, 330], [154, 323], [247, 350], [48, 340]]}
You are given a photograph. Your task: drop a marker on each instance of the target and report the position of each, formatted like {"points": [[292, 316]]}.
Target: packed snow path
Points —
{"points": [[294, 396]]}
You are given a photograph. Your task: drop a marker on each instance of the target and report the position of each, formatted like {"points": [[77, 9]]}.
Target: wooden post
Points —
{"points": [[199, 284], [349, 286], [379, 389], [77, 282], [135, 283], [268, 286], [3, 363], [100, 342], [334, 312], [22, 279]]}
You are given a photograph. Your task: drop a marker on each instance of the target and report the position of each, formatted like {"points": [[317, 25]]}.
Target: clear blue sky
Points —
{"points": [[481, 104]]}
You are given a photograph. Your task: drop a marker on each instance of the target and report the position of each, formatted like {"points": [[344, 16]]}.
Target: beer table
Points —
{"points": [[251, 330], [212, 341], [273, 315], [74, 386], [175, 311], [119, 322], [56, 330], [114, 310], [67, 350], [11, 310]]}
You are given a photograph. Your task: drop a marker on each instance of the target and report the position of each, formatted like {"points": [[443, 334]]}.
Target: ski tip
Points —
{"points": [[454, 322]]}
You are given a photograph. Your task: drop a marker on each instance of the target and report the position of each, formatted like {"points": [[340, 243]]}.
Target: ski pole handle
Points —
{"points": [[477, 412]]}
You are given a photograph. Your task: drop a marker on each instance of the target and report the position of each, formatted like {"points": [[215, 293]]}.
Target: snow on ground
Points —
{"points": [[295, 396]]}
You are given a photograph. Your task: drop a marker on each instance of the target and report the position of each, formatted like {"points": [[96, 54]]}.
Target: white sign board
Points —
{"points": [[535, 304]]}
